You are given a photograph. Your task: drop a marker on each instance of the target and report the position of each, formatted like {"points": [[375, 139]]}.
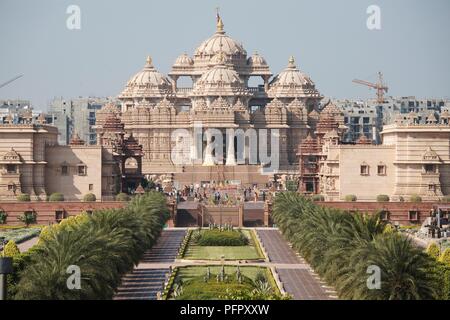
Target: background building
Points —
{"points": [[76, 116]]}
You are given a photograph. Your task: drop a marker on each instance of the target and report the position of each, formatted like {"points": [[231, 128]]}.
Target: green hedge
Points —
{"points": [[90, 197], [23, 197], [122, 197], [57, 196], [415, 198], [350, 198], [222, 238], [104, 246], [318, 197], [383, 198]]}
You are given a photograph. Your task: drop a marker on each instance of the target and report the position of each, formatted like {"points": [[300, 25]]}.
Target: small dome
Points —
{"points": [[149, 76], [183, 61], [291, 82], [148, 82], [256, 60], [292, 76]]}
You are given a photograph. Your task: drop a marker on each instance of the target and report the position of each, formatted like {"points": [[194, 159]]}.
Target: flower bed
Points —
{"points": [[19, 235]]}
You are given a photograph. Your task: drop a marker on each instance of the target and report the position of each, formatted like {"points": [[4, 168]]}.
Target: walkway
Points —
{"points": [[26, 245], [297, 278], [147, 279]]}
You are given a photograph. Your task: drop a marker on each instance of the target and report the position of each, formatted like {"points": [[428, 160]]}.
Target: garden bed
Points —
{"points": [[19, 235], [191, 283], [251, 251]]}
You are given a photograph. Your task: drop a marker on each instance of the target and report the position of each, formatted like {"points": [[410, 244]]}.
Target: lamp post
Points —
{"points": [[5, 269]]}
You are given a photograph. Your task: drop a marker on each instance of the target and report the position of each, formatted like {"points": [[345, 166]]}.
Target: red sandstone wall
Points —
{"points": [[45, 211], [397, 211]]}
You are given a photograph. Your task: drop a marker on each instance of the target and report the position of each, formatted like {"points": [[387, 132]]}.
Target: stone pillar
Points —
{"points": [[231, 159], [267, 207], [266, 83], [209, 158], [174, 83], [241, 215], [194, 150]]}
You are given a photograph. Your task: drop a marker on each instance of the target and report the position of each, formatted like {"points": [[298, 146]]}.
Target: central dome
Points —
{"points": [[220, 42]]}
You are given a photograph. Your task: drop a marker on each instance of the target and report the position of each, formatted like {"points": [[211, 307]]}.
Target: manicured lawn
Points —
{"points": [[195, 288], [249, 252]]}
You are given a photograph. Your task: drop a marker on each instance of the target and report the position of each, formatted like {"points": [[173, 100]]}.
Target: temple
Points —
{"points": [[154, 106]]}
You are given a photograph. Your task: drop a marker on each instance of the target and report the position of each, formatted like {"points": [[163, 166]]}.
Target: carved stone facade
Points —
{"points": [[413, 159], [154, 106], [32, 162]]}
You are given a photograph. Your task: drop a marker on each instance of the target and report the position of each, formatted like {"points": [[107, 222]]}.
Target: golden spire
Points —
{"points": [[149, 60], [219, 28], [291, 62]]}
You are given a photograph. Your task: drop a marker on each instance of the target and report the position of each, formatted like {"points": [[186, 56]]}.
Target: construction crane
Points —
{"points": [[379, 86], [11, 80]]}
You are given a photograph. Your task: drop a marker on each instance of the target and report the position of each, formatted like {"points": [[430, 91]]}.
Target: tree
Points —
{"points": [[341, 247], [108, 244], [445, 257], [28, 218], [11, 249], [3, 217], [433, 250]]}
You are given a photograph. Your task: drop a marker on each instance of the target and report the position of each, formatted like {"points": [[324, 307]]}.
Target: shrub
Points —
{"points": [[23, 197], [11, 249], [415, 198], [89, 197], [28, 218], [122, 197], [317, 197], [57, 196], [260, 276], [291, 185], [445, 257], [445, 199], [382, 198], [350, 198], [433, 250], [389, 228], [222, 238], [3, 216]]}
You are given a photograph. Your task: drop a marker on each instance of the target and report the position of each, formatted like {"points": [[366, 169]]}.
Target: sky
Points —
{"points": [[329, 39]]}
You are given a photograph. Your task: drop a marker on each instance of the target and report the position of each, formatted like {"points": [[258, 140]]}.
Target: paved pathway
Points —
{"points": [[148, 277], [26, 245], [296, 276]]}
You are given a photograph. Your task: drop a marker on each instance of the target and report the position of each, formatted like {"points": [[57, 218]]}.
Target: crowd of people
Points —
{"points": [[219, 195]]}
